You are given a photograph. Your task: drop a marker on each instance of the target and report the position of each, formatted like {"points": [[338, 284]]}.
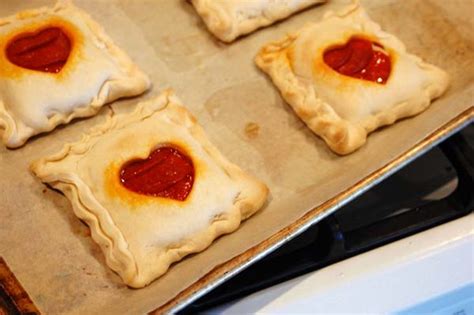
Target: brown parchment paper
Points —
{"points": [[50, 250]]}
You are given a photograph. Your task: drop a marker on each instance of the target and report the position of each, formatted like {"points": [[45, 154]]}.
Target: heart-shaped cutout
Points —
{"points": [[167, 172], [46, 50], [360, 58]]}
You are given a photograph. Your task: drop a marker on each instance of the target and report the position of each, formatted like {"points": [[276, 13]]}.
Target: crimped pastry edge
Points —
{"points": [[225, 26], [103, 230], [342, 136], [135, 82]]}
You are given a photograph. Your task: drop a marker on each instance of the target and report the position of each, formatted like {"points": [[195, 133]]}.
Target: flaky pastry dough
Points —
{"points": [[340, 109], [141, 236], [228, 19], [96, 72]]}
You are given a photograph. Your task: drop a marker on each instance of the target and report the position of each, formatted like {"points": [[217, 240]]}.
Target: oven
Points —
{"points": [[406, 245]]}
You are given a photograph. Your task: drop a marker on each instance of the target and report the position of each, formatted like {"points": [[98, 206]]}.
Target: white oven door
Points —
{"points": [[430, 272]]}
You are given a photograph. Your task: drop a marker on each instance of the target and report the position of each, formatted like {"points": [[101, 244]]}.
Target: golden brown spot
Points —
{"points": [[252, 130], [289, 55], [338, 136]]}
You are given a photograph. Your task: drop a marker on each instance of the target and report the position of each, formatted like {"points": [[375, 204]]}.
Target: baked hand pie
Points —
{"points": [[57, 64], [345, 77], [228, 19], [152, 188]]}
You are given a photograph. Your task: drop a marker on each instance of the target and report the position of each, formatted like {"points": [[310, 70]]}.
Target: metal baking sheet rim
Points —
{"points": [[237, 264]]}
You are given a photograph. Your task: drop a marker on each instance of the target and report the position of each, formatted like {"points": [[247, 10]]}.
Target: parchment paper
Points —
{"points": [[50, 250]]}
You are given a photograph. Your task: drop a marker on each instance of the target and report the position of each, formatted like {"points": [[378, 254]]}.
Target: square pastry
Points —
{"points": [[345, 77], [57, 64], [228, 19], [152, 188]]}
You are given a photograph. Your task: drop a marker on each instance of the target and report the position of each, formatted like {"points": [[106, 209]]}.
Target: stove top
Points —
{"points": [[433, 189]]}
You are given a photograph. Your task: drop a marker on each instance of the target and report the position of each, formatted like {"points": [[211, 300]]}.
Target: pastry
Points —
{"points": [[152, 188], [345, 77], [57, 64], [228, 19]]}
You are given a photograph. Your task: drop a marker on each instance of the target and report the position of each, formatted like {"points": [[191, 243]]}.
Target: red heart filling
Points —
{"points": [[46, 50], [166, 172], [361, 59]]}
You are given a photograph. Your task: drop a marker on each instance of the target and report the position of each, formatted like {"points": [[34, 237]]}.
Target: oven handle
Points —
{"points": [[459, 203]]}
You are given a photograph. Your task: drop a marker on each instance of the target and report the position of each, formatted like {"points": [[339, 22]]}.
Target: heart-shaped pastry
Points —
{"points": [[167, 172], [360, 58], [46, 50]]}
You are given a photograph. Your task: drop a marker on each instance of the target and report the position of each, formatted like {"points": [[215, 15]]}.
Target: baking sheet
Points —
{"points": [[50, 250]]}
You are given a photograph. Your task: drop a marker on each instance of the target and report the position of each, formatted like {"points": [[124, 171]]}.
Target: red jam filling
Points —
{"points": [[167, 172], [46, 50], [361, 59]]}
